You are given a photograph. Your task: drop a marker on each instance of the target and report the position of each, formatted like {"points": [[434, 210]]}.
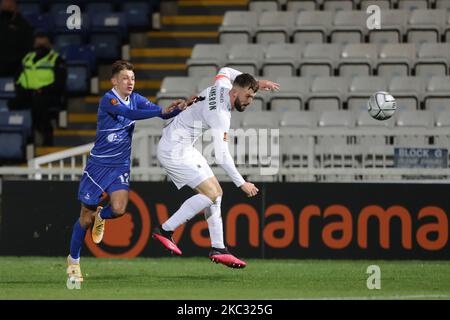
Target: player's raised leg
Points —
{"points": [[116, 209], [79, 232], [213, 215], [186, 212]]}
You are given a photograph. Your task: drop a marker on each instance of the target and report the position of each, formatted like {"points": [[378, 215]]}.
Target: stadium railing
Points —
{"points": [[321, 162]]}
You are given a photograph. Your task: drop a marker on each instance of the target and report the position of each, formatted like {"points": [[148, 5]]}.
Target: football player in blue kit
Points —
{"points": [[108, 167]]}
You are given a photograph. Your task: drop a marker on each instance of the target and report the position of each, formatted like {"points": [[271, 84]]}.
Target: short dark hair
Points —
{"points": [[120, 65], [246, 80]]}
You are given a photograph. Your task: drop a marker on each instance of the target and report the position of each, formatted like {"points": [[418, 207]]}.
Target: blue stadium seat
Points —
{"points": [[15, 132], [27, 9], [95, 7], [59, 8], [77, 79], [137, 13], [109, 22], [80, 55], [61, 41], [3, 105], [106, 46], [12, 146], [7, 89], [44, 22]]}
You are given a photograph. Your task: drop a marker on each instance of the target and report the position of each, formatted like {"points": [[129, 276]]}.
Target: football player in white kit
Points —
{"points": [[185, 165]]}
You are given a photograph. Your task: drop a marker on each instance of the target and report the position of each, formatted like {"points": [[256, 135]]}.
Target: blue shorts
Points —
{"points": [[98, 179]]}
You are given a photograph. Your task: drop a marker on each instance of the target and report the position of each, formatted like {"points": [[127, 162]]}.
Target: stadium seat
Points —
{"points": [[412, 4], [4, 105], [7, 89], [361, 88], [238, 27], [319, 59], [327, 93], [106, 46], [443, 4], [337, 5], [432, 60], [78, 79], [332, 118], [281, 60], [12, 146], [394, 26], [408, 91], [64, 40], [92, 8], [299, 119], [206, 59], [349, 27], [27, 9], [261, 120], [415, 119], [17, 122], [396, 59], [312, 26], [43, 22], [382, 4], [292, 95], [306, 5], [246, 57], [442, 119], [59, 8], [358, 60], [364, 119], [426, 25], [137, 13], [261, 6], [437, 95], [275, 26], [204, 83], [82, 55], [175, 88], [104, 22]]}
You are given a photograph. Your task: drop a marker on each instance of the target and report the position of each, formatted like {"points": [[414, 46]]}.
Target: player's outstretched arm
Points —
{"points": [[268, 85]]}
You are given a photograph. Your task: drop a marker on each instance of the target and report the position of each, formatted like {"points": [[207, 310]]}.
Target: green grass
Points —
{"points": [[197, 278]]}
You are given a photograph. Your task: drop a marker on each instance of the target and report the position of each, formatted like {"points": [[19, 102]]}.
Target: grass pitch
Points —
{"points": [[197, 278]]}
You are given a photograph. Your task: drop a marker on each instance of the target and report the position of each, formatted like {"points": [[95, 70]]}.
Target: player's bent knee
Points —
{"points": [[118, 210], [213, 195]]}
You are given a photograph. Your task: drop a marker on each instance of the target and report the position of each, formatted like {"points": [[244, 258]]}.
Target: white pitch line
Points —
{"points": [[417, 296]]}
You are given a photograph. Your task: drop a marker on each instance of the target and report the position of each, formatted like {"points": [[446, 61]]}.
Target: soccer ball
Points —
{"points": [[381, 105]]}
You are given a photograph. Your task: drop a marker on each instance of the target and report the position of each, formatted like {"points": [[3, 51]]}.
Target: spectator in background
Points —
{"points": [[16, 38], [40, 86]]}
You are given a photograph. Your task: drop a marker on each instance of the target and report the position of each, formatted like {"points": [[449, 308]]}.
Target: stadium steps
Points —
{"points": [[210, 7], [73, 137], [42, 151], [191, 22]]}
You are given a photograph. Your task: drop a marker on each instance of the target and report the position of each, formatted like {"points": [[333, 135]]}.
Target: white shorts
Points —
{"points": [[184, 164]]}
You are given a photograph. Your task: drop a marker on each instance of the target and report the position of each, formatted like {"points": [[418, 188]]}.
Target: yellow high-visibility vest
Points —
{"points": [[36, 75]]}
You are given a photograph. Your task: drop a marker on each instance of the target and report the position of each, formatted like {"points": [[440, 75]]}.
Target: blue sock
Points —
{"points": [[78, 234], [106, 212]]}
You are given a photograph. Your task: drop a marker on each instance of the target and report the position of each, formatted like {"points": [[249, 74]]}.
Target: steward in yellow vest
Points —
{"points": [[40, 73], [40, 87]]}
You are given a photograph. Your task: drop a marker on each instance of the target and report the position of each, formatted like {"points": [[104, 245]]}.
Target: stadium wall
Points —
{"points": [[287, 220]]}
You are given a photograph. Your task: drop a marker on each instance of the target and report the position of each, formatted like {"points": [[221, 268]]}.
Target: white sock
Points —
{"points": [[213, 216], [74, 261], [187, 211]]}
